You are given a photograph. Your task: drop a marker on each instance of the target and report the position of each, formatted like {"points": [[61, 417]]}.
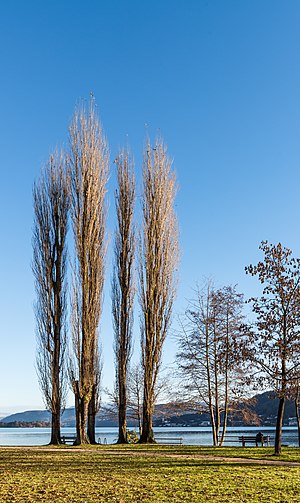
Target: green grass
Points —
{"points": [[146, 474]]}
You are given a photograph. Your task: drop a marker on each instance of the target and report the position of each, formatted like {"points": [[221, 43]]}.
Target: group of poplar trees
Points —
{"points": [[219, 354], [72, 189]]}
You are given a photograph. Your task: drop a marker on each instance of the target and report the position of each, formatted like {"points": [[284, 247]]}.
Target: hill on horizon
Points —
{"points": [[265, 407], [29, 416]]}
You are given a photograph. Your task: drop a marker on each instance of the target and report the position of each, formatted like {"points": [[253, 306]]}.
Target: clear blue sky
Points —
{"points": [[219, 79]]}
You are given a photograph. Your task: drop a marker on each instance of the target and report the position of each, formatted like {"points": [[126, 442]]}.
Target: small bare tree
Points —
{"points": [[212, 351], [88, 166], [51, 208], [158, 263], [122, 283], [135, 394]]}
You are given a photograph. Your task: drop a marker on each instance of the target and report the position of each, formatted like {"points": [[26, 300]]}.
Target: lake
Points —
{"points": [[190, 435]]}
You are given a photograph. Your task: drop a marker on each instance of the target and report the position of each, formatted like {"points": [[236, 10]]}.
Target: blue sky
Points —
{"points": [[218, 79]]}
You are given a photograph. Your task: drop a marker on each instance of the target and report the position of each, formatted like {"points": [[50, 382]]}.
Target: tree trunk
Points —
{"points": [[209, 385], [78, 419], [122, 438], [226, 384], [224, 426], [298, 418], [92, 419], [213, 423], [81, 410], [139, 416], [55, 428], [281, 405], [55, 399], [279, 422], [147, 436], [216, 386], [218, 418], [84, 419]]}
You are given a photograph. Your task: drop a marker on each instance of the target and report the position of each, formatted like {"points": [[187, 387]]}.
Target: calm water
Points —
{"points": [[190, 435]]}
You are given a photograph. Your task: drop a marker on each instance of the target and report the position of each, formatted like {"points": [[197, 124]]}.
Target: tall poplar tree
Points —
{"points": [[158, 266], [88, 166], [51, 208], [123, 284]]}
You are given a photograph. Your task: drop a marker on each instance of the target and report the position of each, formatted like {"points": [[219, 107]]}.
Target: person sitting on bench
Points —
{"points": [[259, 439]]}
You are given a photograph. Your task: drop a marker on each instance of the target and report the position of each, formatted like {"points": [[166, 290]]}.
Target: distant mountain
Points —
{"points": [[68, 417], [264, 406], [261, 410], [28, 416], [35, 415]]}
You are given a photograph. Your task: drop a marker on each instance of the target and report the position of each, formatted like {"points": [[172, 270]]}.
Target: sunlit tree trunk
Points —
{"points": [[279, 423]]}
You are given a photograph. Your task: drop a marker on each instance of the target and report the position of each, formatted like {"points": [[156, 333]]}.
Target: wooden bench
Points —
{"points": [[265, 440], [169, 440], [68, 440]]}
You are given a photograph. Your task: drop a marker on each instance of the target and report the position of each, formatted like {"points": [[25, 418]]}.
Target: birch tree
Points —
{"points": [[88, 166], [51, 208], [122, 283], [158, 267]]}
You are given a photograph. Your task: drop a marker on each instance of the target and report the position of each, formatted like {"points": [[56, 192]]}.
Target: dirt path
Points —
{"points": [[115, 452]]}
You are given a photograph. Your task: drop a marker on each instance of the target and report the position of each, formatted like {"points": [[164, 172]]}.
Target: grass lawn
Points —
{"points": [[146, 474]]}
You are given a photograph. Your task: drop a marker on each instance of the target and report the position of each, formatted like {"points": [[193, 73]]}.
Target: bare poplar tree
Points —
{"points": [[158, 263], [122, 283], [51, 208], [88, 166]]}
